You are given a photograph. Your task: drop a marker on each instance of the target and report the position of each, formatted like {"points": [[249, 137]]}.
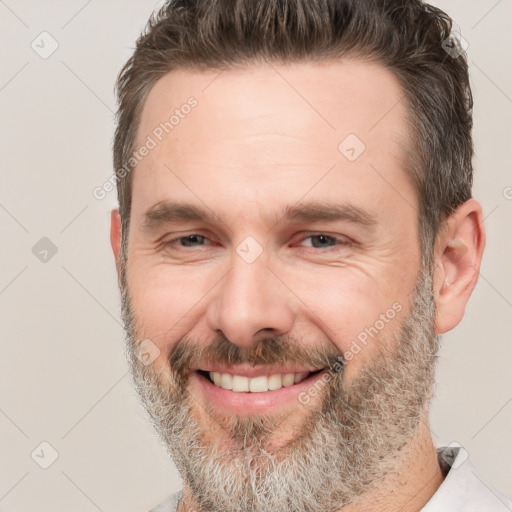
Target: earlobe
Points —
{"points": [[115, 237], [458, 256]]}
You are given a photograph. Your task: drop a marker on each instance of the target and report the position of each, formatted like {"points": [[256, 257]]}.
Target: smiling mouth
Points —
{"points": [[260, 384]]}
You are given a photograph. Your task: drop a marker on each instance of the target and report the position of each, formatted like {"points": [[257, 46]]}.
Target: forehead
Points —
{"points": [[269, 128], [330, 96]]}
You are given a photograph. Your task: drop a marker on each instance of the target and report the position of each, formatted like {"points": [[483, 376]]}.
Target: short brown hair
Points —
{"points": [[407, 36]]}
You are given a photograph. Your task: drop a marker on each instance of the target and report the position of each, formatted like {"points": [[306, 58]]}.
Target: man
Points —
{"points": [[295, 231]]}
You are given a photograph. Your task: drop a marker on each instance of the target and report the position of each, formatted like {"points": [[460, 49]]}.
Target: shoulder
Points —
{"points": [[464, 489]]}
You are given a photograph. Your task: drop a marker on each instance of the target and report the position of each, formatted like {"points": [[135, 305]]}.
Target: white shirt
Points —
{"points": [[463, 489]]}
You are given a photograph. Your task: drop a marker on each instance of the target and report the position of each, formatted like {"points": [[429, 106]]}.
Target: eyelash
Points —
{"points": [[339, 241]]}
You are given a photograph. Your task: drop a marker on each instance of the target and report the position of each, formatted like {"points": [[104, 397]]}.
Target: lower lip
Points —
{"points": [[247, 403]]}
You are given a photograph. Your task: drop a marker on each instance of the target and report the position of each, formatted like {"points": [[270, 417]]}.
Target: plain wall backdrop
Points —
{"points": [[64, 379]]}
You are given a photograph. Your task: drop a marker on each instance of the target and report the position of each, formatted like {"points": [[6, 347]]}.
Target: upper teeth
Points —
{"points": [[239, 383]]}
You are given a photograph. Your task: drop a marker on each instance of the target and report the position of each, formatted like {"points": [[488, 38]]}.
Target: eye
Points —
{"points": [[317, 241], [323, 241], [192, 240]]}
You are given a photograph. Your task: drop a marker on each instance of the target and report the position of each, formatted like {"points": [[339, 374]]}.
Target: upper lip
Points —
{"points": [[246, 370]]}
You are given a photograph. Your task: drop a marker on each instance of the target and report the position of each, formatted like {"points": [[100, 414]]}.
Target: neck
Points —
{"points": [[409, 485]]}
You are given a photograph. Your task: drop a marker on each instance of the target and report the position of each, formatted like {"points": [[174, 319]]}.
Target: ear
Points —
{"points": [[457, 258], [115, 238]]}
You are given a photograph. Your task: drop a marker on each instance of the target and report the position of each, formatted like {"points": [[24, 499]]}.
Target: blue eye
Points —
{"points": [[188, 241], [322, 239], [319, 241], [326, 241]]}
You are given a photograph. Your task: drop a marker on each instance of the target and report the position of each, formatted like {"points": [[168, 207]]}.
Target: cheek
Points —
{"points": [[357, 313], [165, 305]]}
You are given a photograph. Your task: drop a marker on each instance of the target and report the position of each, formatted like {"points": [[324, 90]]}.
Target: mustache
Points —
{"points": [[272, 351]]}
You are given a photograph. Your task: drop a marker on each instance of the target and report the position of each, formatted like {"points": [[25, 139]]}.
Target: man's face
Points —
{"points": [[272, 284]]}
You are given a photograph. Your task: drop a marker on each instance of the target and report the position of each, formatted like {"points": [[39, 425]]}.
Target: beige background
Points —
{"points": [[62, 370]]}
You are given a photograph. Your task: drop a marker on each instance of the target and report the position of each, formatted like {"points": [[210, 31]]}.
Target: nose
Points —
{"points": [[250, 303]]}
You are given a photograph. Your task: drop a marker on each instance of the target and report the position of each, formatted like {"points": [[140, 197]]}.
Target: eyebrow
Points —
{"points": [[167, 212], [330, 212]]}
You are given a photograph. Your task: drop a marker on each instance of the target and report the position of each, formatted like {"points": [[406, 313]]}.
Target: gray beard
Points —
{"points": [[344, 446]]}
